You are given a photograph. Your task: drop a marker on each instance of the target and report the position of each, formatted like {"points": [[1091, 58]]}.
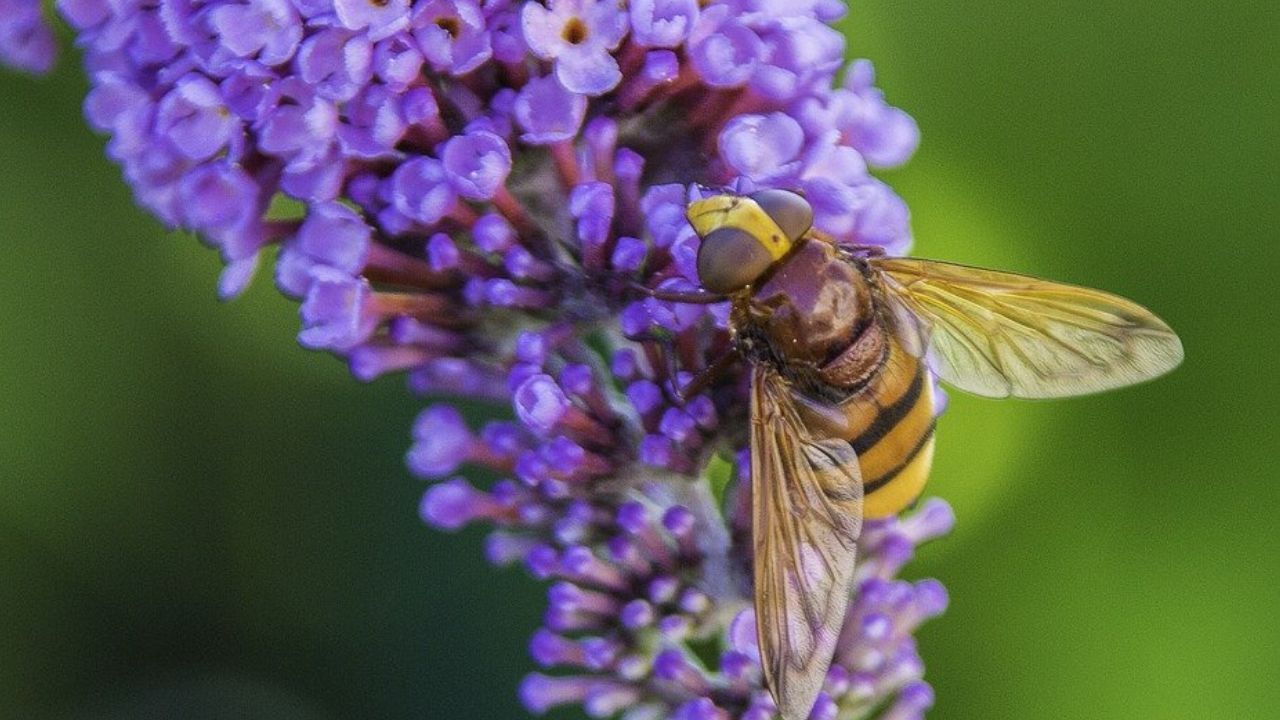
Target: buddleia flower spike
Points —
{"points": [[487, 196]]}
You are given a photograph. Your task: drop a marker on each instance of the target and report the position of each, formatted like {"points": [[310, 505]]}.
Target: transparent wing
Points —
{"points": [[1003, 334], [807, 514]]}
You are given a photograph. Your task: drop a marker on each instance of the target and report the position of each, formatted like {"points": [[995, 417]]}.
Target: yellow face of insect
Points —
{"points": [[742, 236], [740, 213]]}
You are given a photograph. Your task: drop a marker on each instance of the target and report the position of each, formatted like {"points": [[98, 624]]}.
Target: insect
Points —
{"points": [[840, 342]]}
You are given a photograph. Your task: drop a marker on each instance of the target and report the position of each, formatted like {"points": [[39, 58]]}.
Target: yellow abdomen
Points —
{"points": [[891, 429]]}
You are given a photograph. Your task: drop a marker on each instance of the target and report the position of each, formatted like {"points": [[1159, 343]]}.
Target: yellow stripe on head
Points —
{"points": [[743, 213]]}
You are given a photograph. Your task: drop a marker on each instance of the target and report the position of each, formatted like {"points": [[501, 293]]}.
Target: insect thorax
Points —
{"points": [[813, 321]]}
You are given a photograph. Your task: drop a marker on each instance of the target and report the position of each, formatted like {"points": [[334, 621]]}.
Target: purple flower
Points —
{"points": [[296, 126], [724, 50], [397, 61], [374, 125], [442, 442], [421, 189], [224, 202], [884, 134], [477, 164], [194, 119], [332, 236], [577, 35], [662, 23], [547, 112], [266, 30], [336, 312], [336, 63], [85, 15], [540, 403], [379, 18], [452, 35], [797, 52], [25, 41], [469, 193], [761, 146]]}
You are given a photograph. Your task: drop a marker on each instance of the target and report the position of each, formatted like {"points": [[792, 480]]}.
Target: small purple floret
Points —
{"points": [[452, 35], [25, 40], [449, 505], [540, 403], [441, 442], [379, 19], [420, 189], [335, 312], [477, 164], [265, 30], [662, 23], [577, 35], [547, 112]]}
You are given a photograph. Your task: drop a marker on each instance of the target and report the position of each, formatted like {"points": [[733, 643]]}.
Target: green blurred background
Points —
{"points": [[193, 509]]}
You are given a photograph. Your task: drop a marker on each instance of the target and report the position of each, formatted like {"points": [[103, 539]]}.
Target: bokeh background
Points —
{"points": [[194, 510]]}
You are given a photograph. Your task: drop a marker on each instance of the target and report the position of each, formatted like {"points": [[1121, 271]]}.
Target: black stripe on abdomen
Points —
{"points": [[870, 485], [888, 418]]}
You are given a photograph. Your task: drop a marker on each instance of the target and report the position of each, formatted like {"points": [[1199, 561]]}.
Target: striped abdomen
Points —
{"points": [[890, 426]]}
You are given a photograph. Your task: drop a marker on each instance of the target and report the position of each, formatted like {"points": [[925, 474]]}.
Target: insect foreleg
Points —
{"points": [[707, 376], [690, 298]]}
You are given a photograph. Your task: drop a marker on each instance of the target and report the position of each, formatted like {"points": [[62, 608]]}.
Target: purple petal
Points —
{"points": [[796, 57], [25, 40], [442, 252], [336, 63], [477, 164], [194, 118], [662, 23], [451, 505], [492, 233], [660, 66], [374, 124], [506, 38], [219, 196], [588, 70], [540, 693], [540, 403], [84, 14], [247, 93], [397, 61], [629, 254], [885, 135], [547, 112], [334, 312], [319, 180], [420, 189], [380, 19], [723, 50], [266, 29], [236, 276], [452, 35], [336, 236], [592, 205], [542, 30], [760, 145], [606, 22]]}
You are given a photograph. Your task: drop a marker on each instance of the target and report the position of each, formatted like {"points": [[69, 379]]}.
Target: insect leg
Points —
{"points": [[691, 298], [707, 376]]}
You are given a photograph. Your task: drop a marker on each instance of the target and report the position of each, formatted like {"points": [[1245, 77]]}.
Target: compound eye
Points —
{"points": [[792, 212], [730, 259]]}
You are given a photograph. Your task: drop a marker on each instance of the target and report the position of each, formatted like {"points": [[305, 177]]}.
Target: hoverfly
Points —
{"points": [[841, 342]]}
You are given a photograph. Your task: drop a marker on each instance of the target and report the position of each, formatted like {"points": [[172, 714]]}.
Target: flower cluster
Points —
{"points": [[476, 194]]}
